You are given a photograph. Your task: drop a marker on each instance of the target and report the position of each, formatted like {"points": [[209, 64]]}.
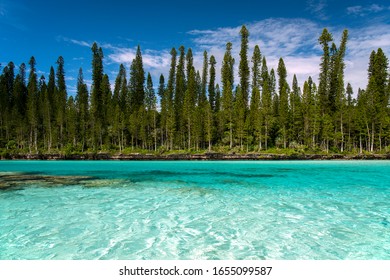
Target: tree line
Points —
{"points": [[188, 110]]}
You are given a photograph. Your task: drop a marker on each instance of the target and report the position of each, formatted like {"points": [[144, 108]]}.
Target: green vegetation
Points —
{"points": [[191, 113]]}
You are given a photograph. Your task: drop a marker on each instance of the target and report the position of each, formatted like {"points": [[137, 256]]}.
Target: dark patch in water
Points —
{"points": [[160, 175], [149, 175], [385, 222], [17, 181], [243, 175]]}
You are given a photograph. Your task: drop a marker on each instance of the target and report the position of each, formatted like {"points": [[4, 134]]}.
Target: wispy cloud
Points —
{"points": [[3, 10], [295, 40], [73, 41], [361, 43], [10, 14], [317, 8], [291, 39], [366, 10], [155, 61]]}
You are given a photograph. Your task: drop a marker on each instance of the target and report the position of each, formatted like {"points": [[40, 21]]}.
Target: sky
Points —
{"points": [[285, 28]]}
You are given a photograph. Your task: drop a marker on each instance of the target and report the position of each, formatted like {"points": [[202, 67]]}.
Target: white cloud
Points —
{"points": [[70, 78], [354, 10], [365, 10], [295, 40], [360, 45], [317, 8], [155, 62], [73, 41], [291, 39]]}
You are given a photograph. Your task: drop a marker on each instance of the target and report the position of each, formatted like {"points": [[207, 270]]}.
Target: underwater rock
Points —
{"points": [[15, 179]]}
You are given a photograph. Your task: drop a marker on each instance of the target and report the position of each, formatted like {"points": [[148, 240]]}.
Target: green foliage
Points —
{"points": [[137, 82], [191, 113], [243, 68]]}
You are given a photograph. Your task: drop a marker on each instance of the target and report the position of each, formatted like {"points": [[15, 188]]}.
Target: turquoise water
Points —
{"points": [[198, 210]]}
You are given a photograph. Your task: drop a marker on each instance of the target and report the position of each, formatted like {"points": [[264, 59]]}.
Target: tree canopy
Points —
{"points": [[191, 111]]}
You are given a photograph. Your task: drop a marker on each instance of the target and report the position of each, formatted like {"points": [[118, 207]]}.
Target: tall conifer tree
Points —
{"points": [[243, 71]]}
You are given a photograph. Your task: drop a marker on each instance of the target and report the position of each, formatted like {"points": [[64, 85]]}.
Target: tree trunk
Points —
{"points": [[155, 130], [373, 138], [36, 139], [260, 141], [189, 133], [342, 134], [231, 135]]}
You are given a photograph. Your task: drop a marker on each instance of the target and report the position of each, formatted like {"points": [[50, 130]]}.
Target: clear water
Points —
{"points": [[199, 210]]}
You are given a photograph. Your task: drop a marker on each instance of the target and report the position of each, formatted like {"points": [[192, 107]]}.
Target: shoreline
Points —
{"points": [[195, 157]]}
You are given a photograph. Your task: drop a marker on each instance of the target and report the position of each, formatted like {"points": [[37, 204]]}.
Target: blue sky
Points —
{"points": [[287, 29]]}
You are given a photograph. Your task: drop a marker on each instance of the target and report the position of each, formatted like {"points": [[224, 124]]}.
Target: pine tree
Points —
{"points": [[209, 124], [202, 100], [163, 104], [336, 90], [189, 62], [189, 107], [32, 106], [266, 103], [3, 106], [378, 98], [283, 101], [198, 118], [256, 68], [243, 71], [20, 107], [239, 113], [180, 88], [106, 116], [82, 109], [6, 100], [255, 117], [137, 82], [44, 113], [211, 86], [295, 118], [323, 89], [219, 118], [61, 98], [203, 95], [349, 113], [310, 113], [71, 122], [120, 106], [96, 95], [51, 111], [254, 113], [170, 113], [151, 108], [116, 97], [227, 101]]}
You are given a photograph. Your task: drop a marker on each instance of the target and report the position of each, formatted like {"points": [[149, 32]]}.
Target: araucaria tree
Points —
{"points": [[190, 111]]}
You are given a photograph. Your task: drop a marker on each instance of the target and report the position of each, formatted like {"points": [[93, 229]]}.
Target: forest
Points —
{"points": [[188, 111]]}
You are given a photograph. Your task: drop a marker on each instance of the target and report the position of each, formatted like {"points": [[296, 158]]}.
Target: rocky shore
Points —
{"points": [[205, 156]]}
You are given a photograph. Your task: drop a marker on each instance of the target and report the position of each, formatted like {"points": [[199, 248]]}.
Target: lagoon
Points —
{"points": [[279, 210]]}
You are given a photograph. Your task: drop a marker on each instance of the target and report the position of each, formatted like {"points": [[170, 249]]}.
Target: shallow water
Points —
{"points": [[197, 210]]}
